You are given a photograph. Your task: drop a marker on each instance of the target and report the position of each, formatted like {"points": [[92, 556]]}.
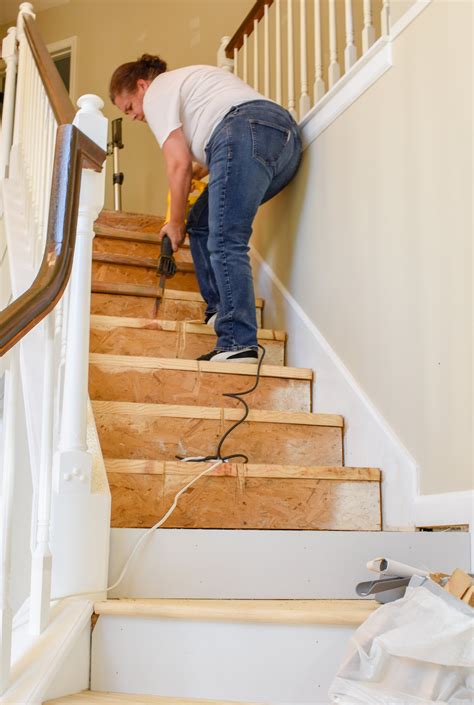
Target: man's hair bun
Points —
{"points": [[125, 77], [153, 62]]}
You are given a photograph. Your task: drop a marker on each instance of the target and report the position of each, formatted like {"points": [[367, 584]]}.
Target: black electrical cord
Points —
{"points": [[233, 395]]}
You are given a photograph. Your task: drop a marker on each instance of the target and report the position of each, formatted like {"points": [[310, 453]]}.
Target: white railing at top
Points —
{"points": [[53, 358], [308, 46]]}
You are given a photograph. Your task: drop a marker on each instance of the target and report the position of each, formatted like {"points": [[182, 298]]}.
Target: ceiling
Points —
{"points": [[9, 8]]}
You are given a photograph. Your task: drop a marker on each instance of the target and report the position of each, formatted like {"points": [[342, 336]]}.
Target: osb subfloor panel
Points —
{"points": [[143, 307], [130, 435], [138, 249], [182, 281], [232, 500], [161, 386], [154, 342], [142, 222]]}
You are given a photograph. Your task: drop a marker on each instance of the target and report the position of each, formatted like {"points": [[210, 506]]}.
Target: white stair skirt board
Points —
{"points": [[224, 564], [217, 660], [368, 439], [58, 657]]}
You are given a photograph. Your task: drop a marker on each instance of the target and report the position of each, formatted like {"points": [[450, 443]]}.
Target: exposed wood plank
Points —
{"points": [[89, 697], [338, 612], [142, 276], [158, 363], [218, 414], [108, 322], [126, 220], [156, 467], [148, 248], [134, 261]]}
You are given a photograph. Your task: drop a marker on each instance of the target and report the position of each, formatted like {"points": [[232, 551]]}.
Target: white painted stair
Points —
{"points": [[272, 651], [90, 697]]}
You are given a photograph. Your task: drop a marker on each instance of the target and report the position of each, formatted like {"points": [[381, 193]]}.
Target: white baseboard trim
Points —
{"points": [[369, 439], [368, 69]]}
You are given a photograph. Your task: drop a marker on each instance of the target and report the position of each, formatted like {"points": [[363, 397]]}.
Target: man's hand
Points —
{"points": [[176, 234]]}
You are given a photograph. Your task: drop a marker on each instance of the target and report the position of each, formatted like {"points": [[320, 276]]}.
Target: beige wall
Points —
{"points": [[373, 239], [109, 33]]}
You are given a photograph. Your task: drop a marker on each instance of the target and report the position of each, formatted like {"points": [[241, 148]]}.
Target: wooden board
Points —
{"points": [[90, 697], [124, 220], [160, 432], [120, 335], [130, 274], [171, 381], [339, 612], [138, 301], [244, 497], [119, 242]]}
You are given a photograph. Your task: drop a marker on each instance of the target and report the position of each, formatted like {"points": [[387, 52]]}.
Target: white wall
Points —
{"points": [[373, 241]]}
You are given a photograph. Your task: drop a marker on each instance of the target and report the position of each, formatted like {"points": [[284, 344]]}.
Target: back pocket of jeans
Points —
{"points": [[268, 141]]}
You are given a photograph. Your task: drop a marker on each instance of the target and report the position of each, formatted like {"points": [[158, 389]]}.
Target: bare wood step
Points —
{"points": [[112, 239], [162, 431], [93, 697], [237, 496], [134, 300], [173, 381], [120, 335], [337, 612], [121, 268], [125, 220]]}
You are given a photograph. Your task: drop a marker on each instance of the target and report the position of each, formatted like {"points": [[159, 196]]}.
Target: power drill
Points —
{"points": [[166, 269]]}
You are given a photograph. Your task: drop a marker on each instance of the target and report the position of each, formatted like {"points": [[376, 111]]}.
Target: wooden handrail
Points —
{"points": [[256, 13], [58, 96], [34, 304]]}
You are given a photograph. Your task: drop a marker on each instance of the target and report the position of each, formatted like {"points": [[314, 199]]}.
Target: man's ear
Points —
{"points": [[142, 84]]}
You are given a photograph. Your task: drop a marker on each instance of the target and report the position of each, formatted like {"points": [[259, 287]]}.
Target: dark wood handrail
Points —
{"points": [[34, 304], [256, 13], [73, 151], [58, 96]]}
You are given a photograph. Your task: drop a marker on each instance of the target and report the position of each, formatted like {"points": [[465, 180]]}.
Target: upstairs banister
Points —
{"points": [[247, 27]]}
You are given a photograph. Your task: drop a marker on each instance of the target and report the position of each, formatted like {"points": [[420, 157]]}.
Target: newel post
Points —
{"points": [[74, 463], [222, 61]]}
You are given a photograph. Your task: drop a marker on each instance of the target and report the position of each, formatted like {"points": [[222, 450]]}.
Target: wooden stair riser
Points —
{"points": [[162, 434], [143, 307], [173, 386], [137, 249], [242, 497], [152, 338], [182, 281], [141, 222]]}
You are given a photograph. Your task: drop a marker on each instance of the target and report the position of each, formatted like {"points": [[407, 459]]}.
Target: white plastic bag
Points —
{"points": [[415, 651]]}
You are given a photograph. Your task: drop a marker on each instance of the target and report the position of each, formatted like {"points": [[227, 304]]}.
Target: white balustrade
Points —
{"points": [[385, 18], [278, 97], [9, 55], [266, 53], [368, 33], [256, 55], [236, 61], [291, 63], [350, 52], [305, 102], [246, 58], [334, 70], [319, 85]]}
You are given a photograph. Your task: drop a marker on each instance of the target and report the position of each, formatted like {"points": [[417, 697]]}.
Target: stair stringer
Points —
{"points": [[368, 438]]}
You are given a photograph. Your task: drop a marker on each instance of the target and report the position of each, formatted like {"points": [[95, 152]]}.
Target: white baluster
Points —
{"points": [[236, 61], [319, 85], [291, 70], [368, 33], [6, 518], [256, 57], [41, 565], [334, 70], [222, 61], [26, 8], [266, 53], [385, 17], [350, 52], [73, 462], [278, 97], [304, 97], [246, 59], [9, 55]]}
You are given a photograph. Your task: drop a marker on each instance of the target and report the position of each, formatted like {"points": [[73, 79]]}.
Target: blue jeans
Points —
{"points": [[252, 154]]}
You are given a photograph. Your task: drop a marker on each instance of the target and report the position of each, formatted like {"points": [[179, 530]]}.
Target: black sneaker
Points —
{"points": [[245, 355]]}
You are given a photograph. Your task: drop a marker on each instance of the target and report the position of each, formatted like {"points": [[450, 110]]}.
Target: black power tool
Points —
{"points": [[165, 270]]}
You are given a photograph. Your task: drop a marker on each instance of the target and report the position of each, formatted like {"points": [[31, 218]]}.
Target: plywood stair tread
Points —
{"points": [[336, 612], [125, 289], [102, 322], [91, 697], [267, 471], [137, 261], [218, 413], [158, 363]]}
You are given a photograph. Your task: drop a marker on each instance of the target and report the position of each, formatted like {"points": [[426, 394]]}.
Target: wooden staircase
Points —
{"points": [[153, 401]]}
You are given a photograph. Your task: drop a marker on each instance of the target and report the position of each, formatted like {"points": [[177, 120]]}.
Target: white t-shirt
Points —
{"points": [[195, 98]]}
